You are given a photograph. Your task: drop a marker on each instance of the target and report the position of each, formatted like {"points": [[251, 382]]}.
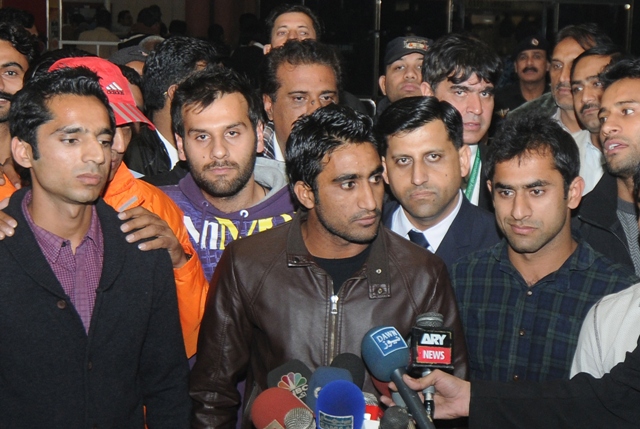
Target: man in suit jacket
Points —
{"points": [[424, 162], [89, 334]]}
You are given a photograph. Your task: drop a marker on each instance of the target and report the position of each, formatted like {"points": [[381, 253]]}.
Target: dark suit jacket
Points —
{"points": [[472, 229], [609, 402], [54, 374], [484, 198]]}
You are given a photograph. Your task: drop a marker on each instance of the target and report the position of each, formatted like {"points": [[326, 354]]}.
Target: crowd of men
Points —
{"points": [[171, 235]]}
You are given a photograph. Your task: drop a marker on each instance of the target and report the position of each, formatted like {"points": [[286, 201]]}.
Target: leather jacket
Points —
{"points": [[273, 303]]}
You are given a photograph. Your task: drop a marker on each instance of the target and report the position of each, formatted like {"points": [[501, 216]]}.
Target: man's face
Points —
{"points": [[620, 127], [349, 192], [473, 98], [587, 90], [403, 77], [531, 65], [13, 66], [303, 89], [530, 204], [424, 171], [220, 145], [292, 25], [74, 151], [563, 55]]}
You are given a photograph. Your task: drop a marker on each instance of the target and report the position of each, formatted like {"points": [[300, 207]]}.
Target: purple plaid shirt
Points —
{"points": [[78, 274]]}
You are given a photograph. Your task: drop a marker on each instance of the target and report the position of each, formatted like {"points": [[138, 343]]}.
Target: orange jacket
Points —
{"points": [[7, 189], [125, 192]]}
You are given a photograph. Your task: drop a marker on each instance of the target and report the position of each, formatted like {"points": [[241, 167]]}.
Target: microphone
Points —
{"points": [[396, 418], [299, 418], [323, 376], [372, 410], [271, 406], [292, 376], [386, 354], [352, 363], [340, 405], [432, 347]]}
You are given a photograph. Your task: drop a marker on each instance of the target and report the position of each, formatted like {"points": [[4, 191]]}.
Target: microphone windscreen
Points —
{"points": [[293, 376], [395, 418], [340, 405], [352, 363], [384, 350], [320, 378], [271, 406], [299, 418], [430, 320]]}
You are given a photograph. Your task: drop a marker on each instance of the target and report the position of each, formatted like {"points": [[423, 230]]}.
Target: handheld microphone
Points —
{"points": [[340, 405], [396, 418], [432, 348], [299, 418], [320, 378], [271, 406], [372, 410], [293, 376], [352, 363], [386, 354]]}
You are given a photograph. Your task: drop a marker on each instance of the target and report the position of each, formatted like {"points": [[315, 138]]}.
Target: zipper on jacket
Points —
{"points": [[332, 325]]}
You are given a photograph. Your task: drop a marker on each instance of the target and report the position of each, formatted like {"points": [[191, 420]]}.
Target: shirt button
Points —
{"points": [[62, 304], [516, 377], [529, 292], [521, 333], [378, 271]]}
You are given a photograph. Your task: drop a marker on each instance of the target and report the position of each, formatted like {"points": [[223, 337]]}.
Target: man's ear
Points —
{"points": [[268, 106], [260, 137], [267, 48], [304, 193], [385, 175], [171, 91], [180, 144], [382, 81], [22, 152], [426, 89], [574, 195], [489, 187], [465, 160]]}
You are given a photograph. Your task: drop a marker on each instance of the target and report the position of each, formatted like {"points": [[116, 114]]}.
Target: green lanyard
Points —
{"points": [[473, 178]]}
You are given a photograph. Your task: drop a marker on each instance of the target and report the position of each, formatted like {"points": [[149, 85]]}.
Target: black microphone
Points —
{"points": [[396, 418], [386, 354], [431, 348], [352, 363]]}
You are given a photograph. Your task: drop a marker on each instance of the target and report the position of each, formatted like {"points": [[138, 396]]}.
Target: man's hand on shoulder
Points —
{"points": [[7, 223], [7, 168], [142, 225]]}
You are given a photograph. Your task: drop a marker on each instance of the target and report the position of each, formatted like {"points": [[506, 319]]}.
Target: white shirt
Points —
{"points": [[609, 331], [401, 225], [171, 150], [591, 158], [277, 151]]}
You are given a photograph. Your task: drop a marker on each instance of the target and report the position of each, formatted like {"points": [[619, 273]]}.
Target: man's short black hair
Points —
{"points": [[29, 108], [203, 88], [46, 60], [627, 68], [456, 57], [17, 16], [525, 134], [410, 113], [103, 19], [172, 62], [587, 35], [609, 50], [320, 134], [296, 53], [148, 17], [296, 8], [21, 40]]}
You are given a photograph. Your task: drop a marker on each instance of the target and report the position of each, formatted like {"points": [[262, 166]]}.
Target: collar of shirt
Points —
{"points": [[475, 197], [400, 224], [171, 150], [279, 156], [51, 244]]}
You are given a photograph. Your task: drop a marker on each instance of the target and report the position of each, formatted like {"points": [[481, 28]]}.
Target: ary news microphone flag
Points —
{"points": [[431, 348], [293, 376], [271, 407], [322, 376], [352, 363], [386, 354], [340, 405]]}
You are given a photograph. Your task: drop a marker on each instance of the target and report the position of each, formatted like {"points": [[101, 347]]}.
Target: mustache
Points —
{"points": [[533, 69], [589, 106], [367, 213], [6, 96], [563, 85], [218, 164]]}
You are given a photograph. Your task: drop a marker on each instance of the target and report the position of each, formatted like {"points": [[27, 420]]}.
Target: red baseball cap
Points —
{"points": [[114, 85]]}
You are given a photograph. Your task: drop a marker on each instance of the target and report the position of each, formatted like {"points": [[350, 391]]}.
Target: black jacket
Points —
{"points": [[54, 374]]}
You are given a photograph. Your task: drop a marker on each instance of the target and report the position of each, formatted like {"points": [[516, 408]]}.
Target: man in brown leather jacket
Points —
{"points": [[311, 289]]}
